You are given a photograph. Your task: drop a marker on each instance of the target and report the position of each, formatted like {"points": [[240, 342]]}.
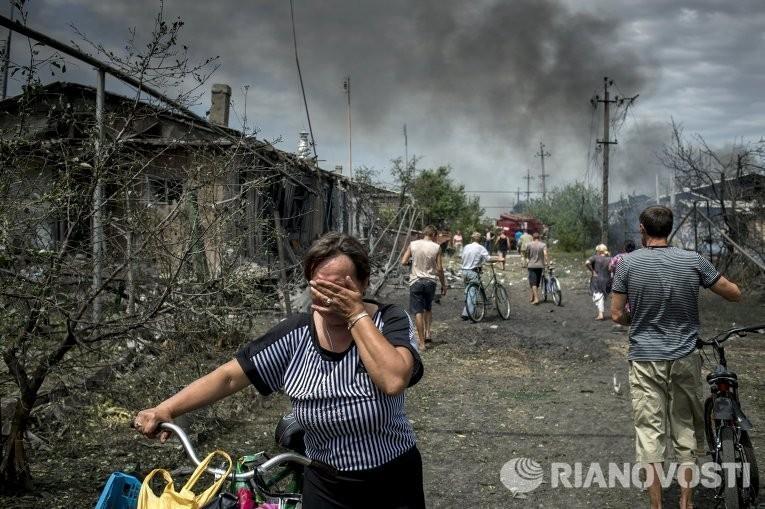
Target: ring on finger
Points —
{"points": [[328, 301]]}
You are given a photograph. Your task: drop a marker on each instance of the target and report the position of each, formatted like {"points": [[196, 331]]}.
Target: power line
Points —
{"points": [[300, 76], [528, 178], [543, 176]]}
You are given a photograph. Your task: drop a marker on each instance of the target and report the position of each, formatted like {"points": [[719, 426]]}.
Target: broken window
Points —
{"points": [[165, 190]]}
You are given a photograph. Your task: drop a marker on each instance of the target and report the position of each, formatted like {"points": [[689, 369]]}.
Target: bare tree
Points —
{"points": [[171, 214], [720, 177]]}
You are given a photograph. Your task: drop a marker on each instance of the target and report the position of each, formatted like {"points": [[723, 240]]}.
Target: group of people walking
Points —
{"points": [[346, 364]]}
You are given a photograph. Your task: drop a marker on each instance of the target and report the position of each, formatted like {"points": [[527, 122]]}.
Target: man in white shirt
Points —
{"points": [[473, 257], [427, 267]]}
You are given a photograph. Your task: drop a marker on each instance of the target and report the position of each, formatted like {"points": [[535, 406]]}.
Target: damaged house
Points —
{"points": [[276, 202], [709, 218]]}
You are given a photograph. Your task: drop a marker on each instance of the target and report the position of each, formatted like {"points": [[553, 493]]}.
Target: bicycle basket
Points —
{"points": [[120, 492]]}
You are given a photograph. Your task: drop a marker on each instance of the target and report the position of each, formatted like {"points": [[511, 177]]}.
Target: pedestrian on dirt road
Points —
{"points": [[661, 284], [536, 256], [345, 366], [526, 239], [427, 268], [629, 246], [503, 244], [457, 243], [489, 240], [473, 257], [517, 237], [600, 278]]}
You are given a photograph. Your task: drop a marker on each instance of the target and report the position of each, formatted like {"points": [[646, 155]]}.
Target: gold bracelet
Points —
{"points": [[356, 318]]}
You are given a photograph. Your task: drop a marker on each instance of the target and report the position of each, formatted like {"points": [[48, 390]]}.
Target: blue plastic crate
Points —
{"points": [[120, 492]]}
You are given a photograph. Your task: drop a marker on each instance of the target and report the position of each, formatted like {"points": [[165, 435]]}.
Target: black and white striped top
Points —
{"points": [[662, 287], [349, 423]]}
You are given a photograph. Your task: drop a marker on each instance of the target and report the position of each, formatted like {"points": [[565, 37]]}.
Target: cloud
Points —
{"points": [[478, 83]]}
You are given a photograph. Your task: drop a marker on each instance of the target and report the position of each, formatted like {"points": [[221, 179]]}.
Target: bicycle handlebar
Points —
{"points": [[715, 341], [280, 459]]}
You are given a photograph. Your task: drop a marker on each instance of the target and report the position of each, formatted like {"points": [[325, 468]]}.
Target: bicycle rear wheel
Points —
{"points": [[710, 425], [475, 302], [752, 491], [502, 300], [728, 456], [557, 295]]}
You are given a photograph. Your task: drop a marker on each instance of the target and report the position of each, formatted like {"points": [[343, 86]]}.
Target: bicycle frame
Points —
{"points": [[726, 426], [256, 477], [723, 384]]}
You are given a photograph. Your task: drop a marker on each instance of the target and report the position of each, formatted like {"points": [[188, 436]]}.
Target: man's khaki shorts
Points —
{"points": [[666, 401]]}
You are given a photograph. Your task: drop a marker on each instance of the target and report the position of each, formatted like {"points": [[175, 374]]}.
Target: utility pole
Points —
{"points": [[543, 176], [606, 141], [518, 196], [6, 52], [347, 87], [528, 178], [406, 151]]}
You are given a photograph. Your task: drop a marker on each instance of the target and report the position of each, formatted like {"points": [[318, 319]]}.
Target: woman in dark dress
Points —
{"points": [[345, 366], [600, 278], [503, 244]]}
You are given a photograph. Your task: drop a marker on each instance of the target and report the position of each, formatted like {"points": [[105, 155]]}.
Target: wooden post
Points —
{"points": [[97, 234], [282, 270], [695, 228]]}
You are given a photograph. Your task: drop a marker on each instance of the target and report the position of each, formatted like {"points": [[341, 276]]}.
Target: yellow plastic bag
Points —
{"points": [[185, 499]]}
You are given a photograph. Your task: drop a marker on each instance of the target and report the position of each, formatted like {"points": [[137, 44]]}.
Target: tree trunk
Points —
{"points": [[14, 469]]}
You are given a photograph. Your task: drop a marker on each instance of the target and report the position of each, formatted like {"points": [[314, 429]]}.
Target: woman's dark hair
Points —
{"points": [[332, 244], [657, 221], [629, 246]]}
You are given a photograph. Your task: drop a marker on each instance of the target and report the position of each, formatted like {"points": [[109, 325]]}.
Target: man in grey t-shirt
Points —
{"points": [[662, 286], [536, 254]]}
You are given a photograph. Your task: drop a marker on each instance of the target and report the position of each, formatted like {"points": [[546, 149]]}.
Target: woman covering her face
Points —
{"points": [[345, 366]]}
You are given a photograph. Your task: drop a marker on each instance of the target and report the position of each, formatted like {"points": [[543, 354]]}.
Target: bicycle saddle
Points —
{"points": [[289, 434], [721, 372]]}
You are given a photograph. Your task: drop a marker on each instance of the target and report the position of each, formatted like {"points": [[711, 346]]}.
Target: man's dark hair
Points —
{"points": [[629, 246], [429, 231], [333, 244], [657, 221], [535, 235]]}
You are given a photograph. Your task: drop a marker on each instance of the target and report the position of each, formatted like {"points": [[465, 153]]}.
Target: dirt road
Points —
{"points": [[537, 386], [540, 386]]}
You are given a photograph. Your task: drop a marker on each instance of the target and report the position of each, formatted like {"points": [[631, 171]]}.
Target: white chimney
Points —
{"points": [[304, 146], [220, 104]]}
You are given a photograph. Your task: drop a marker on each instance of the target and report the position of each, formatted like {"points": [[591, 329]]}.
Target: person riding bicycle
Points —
{"points": [[473, 257], [345, 367], [662, 286]]}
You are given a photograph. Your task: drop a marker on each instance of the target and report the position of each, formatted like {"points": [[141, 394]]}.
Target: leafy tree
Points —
{"points": [[572, 212], [444, 203]]}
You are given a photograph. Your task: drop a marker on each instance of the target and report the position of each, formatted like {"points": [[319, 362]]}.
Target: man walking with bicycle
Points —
{"points": [[536, 258], [473, 257], [662, 284]]}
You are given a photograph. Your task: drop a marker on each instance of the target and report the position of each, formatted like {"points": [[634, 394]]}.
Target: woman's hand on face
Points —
{"points": [[345, 300], [147, 423]]}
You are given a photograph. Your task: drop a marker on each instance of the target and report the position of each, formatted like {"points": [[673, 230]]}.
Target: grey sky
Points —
{"points": [[477, 83]]}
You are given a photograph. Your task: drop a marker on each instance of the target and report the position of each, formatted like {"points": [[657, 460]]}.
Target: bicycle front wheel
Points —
{"points": [[475, 302], [728, 458], [502, 300], [557, 295]]}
